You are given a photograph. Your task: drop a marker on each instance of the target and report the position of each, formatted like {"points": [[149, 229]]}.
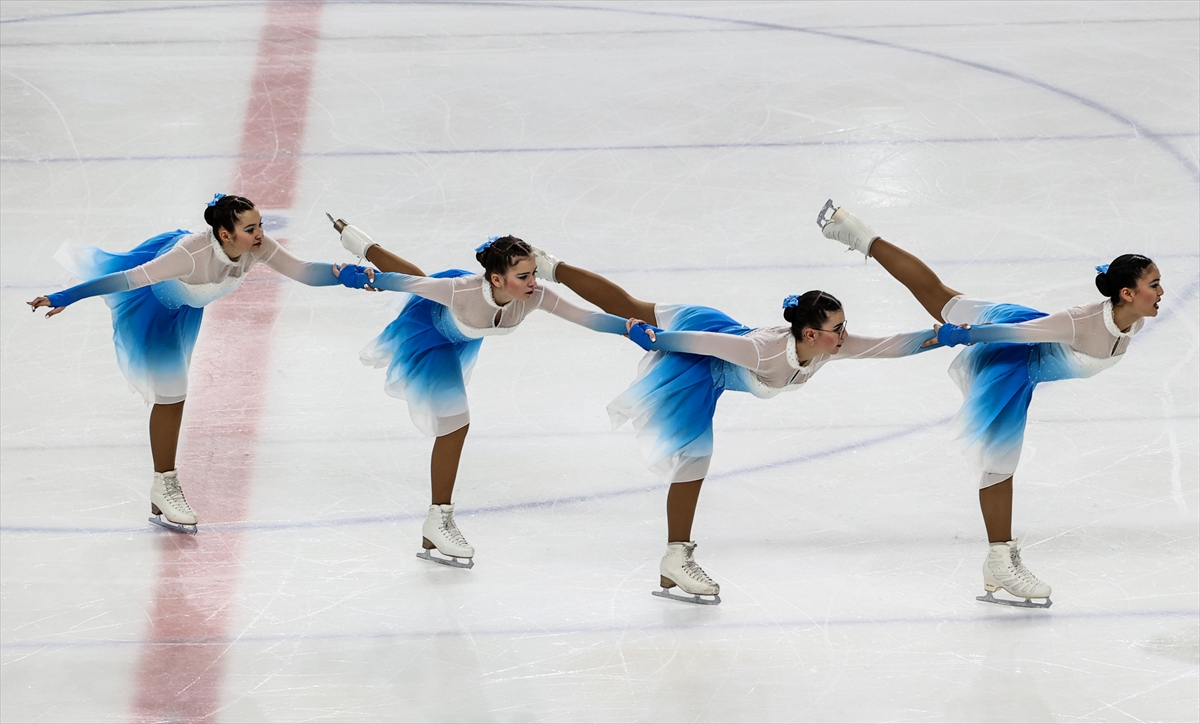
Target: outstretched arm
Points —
{"points": [[437, 289], [314, 274], [897, 345], [595, 321], [171, 265], [1057, 327], [741, 351]]}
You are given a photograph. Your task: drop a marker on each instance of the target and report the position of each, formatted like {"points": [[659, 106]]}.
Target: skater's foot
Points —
{"points": [[546, 264], [679, 568], [168, 506], [440, 532], [844, 227], [1003, 570]]}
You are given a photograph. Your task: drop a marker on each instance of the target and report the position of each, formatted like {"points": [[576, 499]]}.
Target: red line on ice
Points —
{"points": [[181, 666]]}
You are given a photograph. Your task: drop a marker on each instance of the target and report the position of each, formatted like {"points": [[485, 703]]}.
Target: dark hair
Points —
{"points": [[812, 310], [224, 213], [502, 255], [1123, 273]]}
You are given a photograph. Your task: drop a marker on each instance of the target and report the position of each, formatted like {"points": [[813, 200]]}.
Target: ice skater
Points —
{"points": [[997, 380], [431, 348], [157, 293], [694, 354]]}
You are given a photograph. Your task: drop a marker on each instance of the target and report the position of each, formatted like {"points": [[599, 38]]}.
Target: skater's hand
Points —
{"points": [[44, 302], [354, 276], [642, 334], [952, 335]]}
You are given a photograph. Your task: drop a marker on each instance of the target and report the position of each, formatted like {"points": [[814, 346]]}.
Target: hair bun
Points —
{"points": [[1103, 285], [789, 314]]}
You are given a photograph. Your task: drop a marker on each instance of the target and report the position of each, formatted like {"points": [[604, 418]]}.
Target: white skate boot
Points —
{"points": [[440, 532], [1002, 569], [353, 239], [168, 506], [546, 264], [840, 225], [679, 568]]}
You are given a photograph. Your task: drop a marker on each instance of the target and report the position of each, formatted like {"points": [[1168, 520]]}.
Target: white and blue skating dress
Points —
{"points": [[431, 347], [1024, 347], [704, 352], [157, 292]]}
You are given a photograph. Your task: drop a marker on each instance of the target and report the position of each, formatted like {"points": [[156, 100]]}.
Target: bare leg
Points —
{"points": [[912, 273], [386, 261], [443, 465], [608, 296], [165, 421], [681, 510], [996, 503]]}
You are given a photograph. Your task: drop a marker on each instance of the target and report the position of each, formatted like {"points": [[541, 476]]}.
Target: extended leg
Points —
{"points": [[914, 274], [386, 261], [165, 421], [443, 465], [610, 298], [995, 501]]}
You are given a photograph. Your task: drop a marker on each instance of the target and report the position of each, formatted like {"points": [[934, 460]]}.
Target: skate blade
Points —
{"points": [[1027, 603], [452, 562], [826, 214], [177, 527], [689, 598]]}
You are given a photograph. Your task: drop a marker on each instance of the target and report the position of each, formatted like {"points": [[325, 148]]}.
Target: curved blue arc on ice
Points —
{"points": [[495, 509]]}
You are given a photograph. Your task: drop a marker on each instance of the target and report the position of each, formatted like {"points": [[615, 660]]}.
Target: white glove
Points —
{"points": [[356, 242], [545, 264]]}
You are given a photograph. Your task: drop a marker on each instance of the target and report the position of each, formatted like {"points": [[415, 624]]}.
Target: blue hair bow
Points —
{"points": [[216, 198], [486, 245], [1103, 268], [792, 301]]}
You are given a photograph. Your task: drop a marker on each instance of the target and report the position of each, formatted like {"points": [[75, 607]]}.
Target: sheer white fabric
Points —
{"points": [[476, 313]]}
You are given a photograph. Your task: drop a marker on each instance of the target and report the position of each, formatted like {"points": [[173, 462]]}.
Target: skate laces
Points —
{"points": [[1020, 570], [173, 492], [693, 569], [451, 531]]}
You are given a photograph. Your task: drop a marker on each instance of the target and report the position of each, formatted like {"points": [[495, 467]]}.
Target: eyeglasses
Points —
{"points": [[839, 330]]}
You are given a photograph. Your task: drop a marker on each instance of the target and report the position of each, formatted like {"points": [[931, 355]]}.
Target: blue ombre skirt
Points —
{"points": [[997, 382], [154, 341], [429, 363], [672, 402]]}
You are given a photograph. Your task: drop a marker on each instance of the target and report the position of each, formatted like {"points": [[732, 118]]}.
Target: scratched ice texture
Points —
{"points": [[684, 150]]}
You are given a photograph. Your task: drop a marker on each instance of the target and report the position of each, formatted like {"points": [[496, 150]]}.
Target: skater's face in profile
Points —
{"points": [[519, 282], [828, 338], [1144, 297], [247, 234]]}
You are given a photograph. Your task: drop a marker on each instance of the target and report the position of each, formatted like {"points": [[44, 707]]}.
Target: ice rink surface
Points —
{"points": [[683, 149]]}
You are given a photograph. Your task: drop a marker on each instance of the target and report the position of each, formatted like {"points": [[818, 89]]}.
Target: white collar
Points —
{"points": [[219, 252], [792, 358], [488, 296], [1111, 325]]}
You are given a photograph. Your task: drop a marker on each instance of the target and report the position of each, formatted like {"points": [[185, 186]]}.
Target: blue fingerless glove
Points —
{"points": [[354, 276], [952, 335], [59, 299], [638, 333]]}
